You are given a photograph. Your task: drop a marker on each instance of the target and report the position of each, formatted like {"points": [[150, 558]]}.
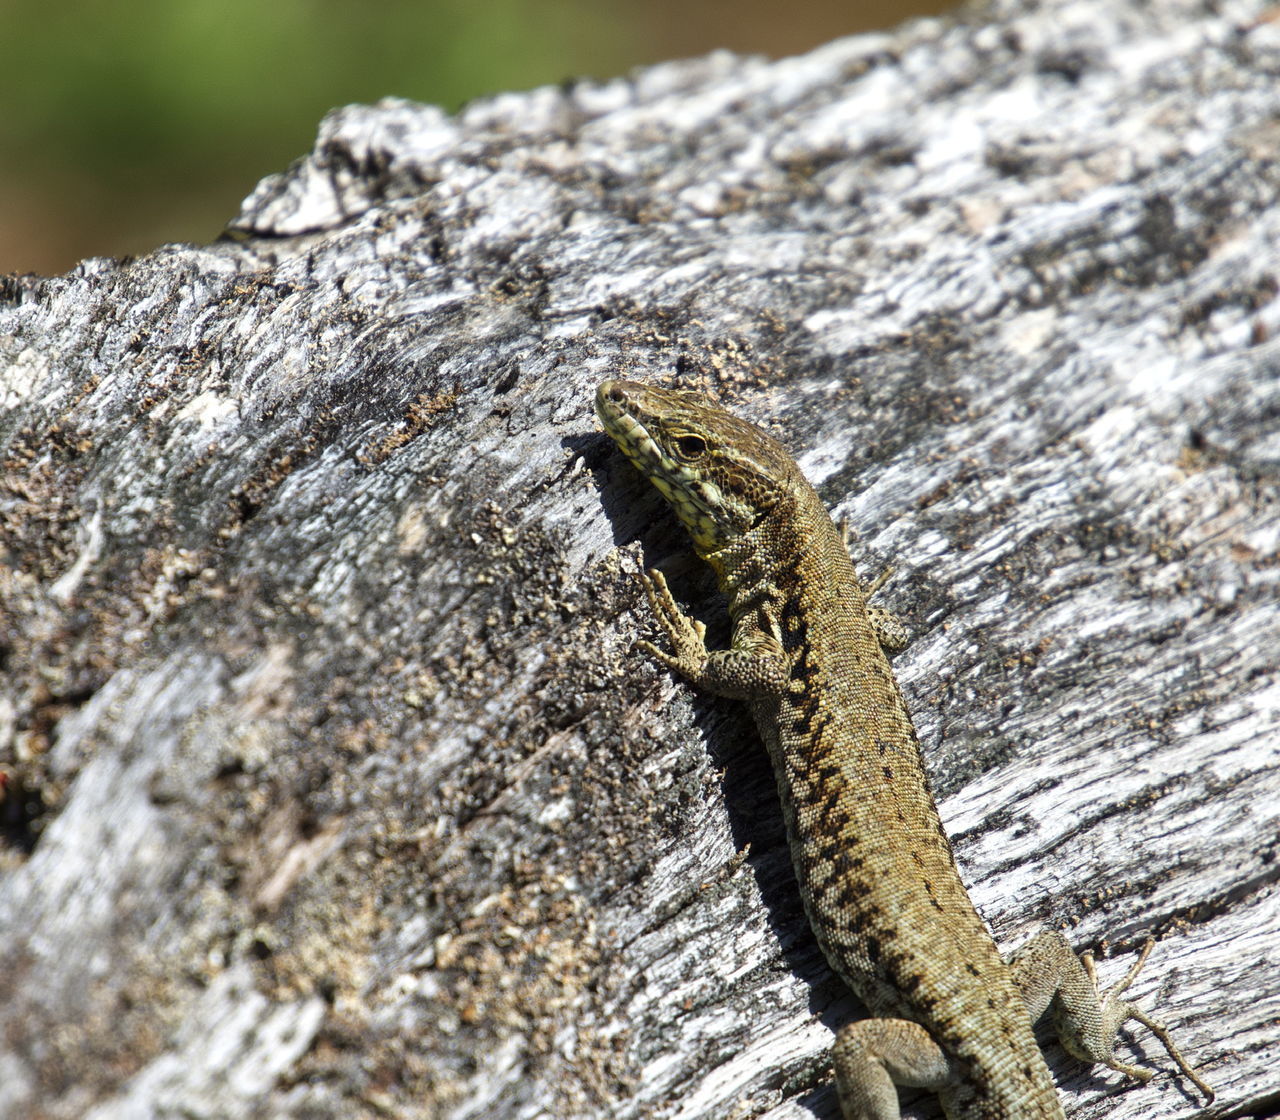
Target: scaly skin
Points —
{"points": [[875, 868]]}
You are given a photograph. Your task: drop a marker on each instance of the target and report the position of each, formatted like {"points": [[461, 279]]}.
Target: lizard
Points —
{"points": [[876, 872]]}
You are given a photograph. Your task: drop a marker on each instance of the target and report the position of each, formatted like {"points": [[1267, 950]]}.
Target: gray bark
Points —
{"points": [[334, 787]]}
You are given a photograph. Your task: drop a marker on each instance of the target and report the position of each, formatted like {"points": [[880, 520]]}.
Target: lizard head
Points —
{"points": [[720, 474]]}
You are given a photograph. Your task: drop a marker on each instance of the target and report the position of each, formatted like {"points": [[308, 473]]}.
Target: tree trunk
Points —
{"points": [[333, 786]]}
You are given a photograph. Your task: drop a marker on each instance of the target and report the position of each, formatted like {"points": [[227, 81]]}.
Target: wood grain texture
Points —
{"points": [[332, 785]]}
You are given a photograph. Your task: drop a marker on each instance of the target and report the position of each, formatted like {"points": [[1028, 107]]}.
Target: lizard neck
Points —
{"points": [[771, 558]]}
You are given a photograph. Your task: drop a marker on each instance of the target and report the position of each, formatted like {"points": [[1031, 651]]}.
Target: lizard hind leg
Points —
{"points": [[874, 1056], [1050, 975]]}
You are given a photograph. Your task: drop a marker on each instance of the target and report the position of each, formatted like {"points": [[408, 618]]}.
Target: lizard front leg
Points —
{"points": [[747, 671], [890, 632]]}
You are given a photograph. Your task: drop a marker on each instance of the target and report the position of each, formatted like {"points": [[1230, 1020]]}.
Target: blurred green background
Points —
{"points": [[126, 125]]}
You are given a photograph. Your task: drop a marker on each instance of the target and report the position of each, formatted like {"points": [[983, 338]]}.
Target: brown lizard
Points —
{"points": [[876, 872]]}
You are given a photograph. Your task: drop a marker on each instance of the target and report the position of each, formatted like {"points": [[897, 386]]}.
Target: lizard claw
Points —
{"points": [[686, 635]]}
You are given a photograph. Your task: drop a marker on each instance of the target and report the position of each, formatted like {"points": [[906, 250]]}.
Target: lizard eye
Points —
{"points": [[691, 447]]}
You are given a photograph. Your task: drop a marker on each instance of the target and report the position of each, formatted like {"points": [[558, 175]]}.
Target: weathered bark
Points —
{"points": [[334, 786]]}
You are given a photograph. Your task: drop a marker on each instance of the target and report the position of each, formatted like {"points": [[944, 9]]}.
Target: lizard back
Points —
{"points": [[875, 868]]}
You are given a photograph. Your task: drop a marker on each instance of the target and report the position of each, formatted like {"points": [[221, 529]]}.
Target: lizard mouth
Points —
{"points": [[619, 412]]}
